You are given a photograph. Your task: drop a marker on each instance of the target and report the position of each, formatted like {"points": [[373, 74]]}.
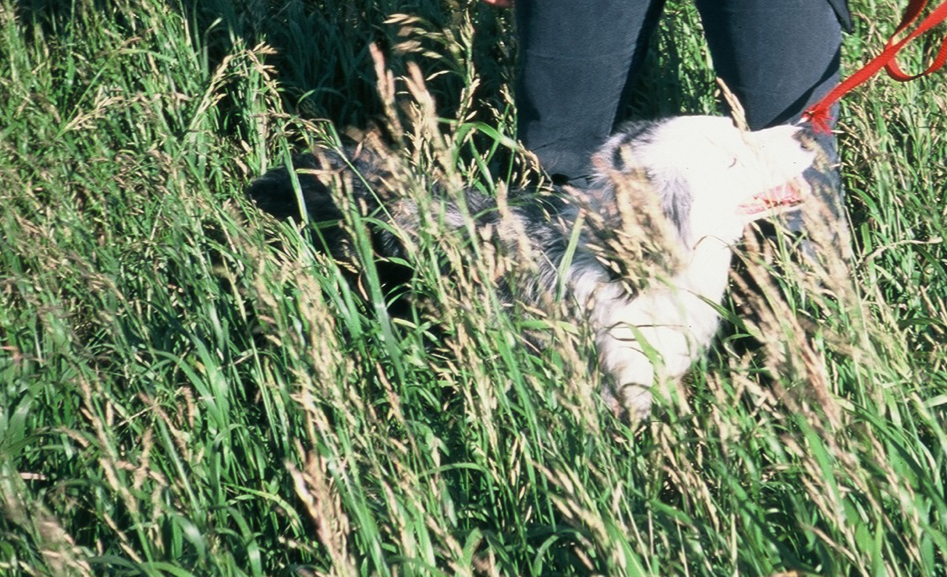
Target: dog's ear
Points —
{"points": [[630, 232], [676, 204], [619, 181], [616, 155], [641, 190]]}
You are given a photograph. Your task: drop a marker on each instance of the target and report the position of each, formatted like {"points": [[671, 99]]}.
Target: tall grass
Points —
{"points": [[189, 388]]}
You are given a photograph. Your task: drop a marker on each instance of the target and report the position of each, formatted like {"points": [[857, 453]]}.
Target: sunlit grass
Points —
{"points": [[188, 387]]}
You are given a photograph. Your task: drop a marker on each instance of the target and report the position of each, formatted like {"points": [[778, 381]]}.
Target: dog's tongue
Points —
{"points": [[784, 195]]}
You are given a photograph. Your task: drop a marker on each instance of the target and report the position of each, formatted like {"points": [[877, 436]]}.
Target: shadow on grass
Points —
{"points": [[322, 55]]}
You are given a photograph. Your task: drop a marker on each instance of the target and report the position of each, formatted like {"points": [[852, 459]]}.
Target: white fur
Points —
{"points": [[659, 333]]}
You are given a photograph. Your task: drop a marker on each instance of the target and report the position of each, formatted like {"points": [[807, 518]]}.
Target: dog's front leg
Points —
{"points": [[626, 337], [630, 373], [646, 339]]}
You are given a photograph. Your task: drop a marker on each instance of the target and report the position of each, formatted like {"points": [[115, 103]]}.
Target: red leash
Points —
{"points": [[819, 114]]}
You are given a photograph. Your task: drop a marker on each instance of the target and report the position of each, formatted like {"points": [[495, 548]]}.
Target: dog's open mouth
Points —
{"points": [[777, 199]]}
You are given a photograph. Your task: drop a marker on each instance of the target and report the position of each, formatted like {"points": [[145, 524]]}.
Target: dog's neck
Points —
{"points": [[706, 269]]}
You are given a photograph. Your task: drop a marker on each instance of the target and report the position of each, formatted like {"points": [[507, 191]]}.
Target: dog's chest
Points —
{"points": [[673, 321]]}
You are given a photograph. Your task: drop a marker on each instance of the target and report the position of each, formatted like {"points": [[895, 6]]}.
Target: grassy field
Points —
{"points": [[188, 388]]}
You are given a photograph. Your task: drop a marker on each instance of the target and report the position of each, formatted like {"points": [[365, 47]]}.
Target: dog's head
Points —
{"points": [[709, 177]]}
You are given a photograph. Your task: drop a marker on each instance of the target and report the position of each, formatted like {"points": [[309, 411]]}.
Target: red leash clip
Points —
{"points": [[819, 114]]}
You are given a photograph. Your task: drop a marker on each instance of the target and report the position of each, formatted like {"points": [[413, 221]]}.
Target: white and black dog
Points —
{"points": [[673, 195]]}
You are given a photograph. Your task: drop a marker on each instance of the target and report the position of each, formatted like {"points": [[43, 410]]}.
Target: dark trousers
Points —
{"points": [[578, 58]]}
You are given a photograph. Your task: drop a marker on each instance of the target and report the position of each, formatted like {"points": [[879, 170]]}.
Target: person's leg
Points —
{"points": [[779, 57], [575, 59]]}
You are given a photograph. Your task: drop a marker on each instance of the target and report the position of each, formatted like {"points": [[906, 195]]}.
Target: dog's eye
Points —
{"points": [[733, 163]]}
